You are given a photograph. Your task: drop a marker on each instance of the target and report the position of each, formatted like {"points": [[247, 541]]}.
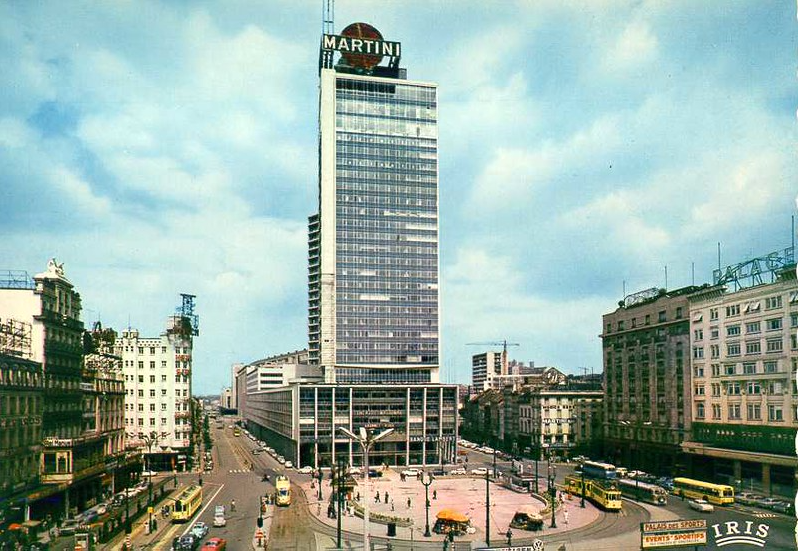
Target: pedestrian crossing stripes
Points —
{"points": [[238, 471], [765, 515]]}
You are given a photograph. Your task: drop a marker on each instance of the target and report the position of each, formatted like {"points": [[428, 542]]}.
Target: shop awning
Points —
{"points": [[452, 516]]}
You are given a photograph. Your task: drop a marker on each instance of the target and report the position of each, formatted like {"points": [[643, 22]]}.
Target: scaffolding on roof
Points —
{"points": [[15, 338], [16, 279]]}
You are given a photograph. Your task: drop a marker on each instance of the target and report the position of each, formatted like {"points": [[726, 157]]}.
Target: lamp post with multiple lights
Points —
{"points": [[552, 472], [426, 480], [150, 440], [366, 440]]}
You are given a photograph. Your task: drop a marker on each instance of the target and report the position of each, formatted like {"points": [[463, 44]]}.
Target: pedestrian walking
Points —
{"points": [[386, 498], [377, 497], [408, 503], [392, 505], [357, 498], [565, 516], [434, 494]]}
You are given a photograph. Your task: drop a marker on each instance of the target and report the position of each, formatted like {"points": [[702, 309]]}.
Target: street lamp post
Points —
{"points": [[340, 498], [487, 507], [494, 463], [552, 471], [149, 440], [536, 474], [321, 479], [426, 480], [366, 441], [583, 484]]}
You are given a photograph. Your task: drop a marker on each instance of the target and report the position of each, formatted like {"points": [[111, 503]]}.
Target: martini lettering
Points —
{"points": [[361, 45]]}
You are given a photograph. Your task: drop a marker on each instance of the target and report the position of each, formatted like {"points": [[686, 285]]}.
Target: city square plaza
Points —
{"points": [[463, 494]]}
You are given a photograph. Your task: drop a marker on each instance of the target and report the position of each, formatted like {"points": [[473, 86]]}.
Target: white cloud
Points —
{"points": [[635, 46], [79, 193]]}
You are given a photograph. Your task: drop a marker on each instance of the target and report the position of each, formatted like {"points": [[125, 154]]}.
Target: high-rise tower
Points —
{"points": [[373, 245]]}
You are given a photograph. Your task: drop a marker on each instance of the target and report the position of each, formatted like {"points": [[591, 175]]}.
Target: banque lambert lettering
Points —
{"points": [[731, 532], [361, 45]]}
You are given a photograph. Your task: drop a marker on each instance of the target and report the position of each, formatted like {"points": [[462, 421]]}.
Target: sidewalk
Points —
{"points": [[464, 494]]}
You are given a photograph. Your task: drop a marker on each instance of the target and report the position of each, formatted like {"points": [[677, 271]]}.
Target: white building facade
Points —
{"points": [[157, 374]]}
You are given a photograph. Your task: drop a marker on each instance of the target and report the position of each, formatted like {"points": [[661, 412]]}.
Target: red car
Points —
{"points": [[215, 544]]}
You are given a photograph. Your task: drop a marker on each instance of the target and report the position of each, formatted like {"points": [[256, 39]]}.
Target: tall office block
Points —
{"points": [[373, 288]]}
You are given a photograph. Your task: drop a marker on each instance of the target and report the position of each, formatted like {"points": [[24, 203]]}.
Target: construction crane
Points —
{"points": [[504, 344]]}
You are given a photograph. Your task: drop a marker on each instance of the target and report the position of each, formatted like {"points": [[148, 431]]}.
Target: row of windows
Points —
{"points": [[735, 388], [387, 226], [353, 260], [374, 285], [754, 412], [140, 393], [387, 274], [366, 186], [398, 200], [394, 142], [381, 213], [352, 242], [754, 327], [746, 368]]}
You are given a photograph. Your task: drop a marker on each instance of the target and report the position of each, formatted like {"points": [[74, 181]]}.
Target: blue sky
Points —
{"points": [[165, 147]]}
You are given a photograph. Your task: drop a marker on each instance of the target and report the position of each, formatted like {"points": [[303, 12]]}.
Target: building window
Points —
{"points": [[715, 389], [661, 316], [699, 410], [772, 302], [698, 352], [716, 370], [775, 345], [714, 351], [141, 365], [753, 327], [698, 334], [713, 314], [152, 407], [793, 319], [734, 411], [754, 412], [774, 411], [609, 328], [714, 332], [752, 387], [679, 312], [733, 349], [620, 325], [648, 319], [141, 393], [141, 407], [163, 378], [733, 389], [729, 369], [793, 342], [699, 390], [141, 379], [773, 324], [163, 420], [732, 311], [771, 367], [163, 406], [753, 347], [163, 392], [716, 411], [732, 330], [152, 378], [698, 371], [634, 322], [775, 388], [749, 368], [141, 350]]}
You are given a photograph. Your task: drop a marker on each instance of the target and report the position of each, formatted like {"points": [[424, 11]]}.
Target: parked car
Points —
{"points": [[69, 527], [218, 510], [768, 502], [458, 471], [479, 471], [355, 470], [200, 529], [256, 451], [219, 520], [411, 472], [307, 469], [748, 498], [701, 505], [782, 506], [188, 542], [215, 544], [288, 463]]}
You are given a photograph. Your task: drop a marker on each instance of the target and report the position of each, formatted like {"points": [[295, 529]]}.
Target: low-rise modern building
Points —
{"points": [[485, 366]]}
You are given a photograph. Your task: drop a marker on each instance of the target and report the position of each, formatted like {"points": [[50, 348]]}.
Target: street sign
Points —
{"points": [[673, 533]]}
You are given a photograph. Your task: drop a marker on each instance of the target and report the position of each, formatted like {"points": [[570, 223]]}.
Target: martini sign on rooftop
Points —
{"points": [[361, 45]]}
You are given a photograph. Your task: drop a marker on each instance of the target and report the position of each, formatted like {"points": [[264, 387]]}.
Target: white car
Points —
{"points": [[289, 464], [701, 505], [411, 472], [458, 471], [479, 471], [219, 520], [307, 469]]}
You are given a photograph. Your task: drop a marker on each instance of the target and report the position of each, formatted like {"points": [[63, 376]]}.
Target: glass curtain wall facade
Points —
{"points": [[382, 284]]}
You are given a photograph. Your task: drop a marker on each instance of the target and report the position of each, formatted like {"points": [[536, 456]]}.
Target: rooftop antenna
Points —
{"points": [[692, 268], [718, 255], [624, 289], [666, 277], [328, 17]]}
